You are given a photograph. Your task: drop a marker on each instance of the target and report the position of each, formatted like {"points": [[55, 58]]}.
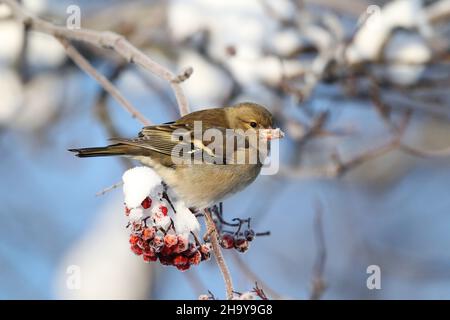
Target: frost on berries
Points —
{"points": [[256, 294], [157, 232]]}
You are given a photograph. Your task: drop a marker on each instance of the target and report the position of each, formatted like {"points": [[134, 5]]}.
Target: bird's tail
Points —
{"points": [[112, 150]]}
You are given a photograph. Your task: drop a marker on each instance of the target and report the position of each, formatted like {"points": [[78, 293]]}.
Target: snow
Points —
{"points": [[405, 74], [32, 106], [42, 97], [286, 42], [142, 182], [11, 93], [139, 182], [184, 220], [248, 296], [163, 222], [243, 24], [407, 48], [136, 214], [5, 11], [372, 36], [409, 53], [36, 6], [208, 84], [11, 35], [45, 50]]}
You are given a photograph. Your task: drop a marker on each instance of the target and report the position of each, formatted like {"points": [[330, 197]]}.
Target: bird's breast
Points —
{"points": [[203, 185]]}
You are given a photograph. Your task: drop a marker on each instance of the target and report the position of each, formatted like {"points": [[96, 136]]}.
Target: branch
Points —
{"points": [[338, 167], [318, 282], [384, 110], [212, 233], [84, 65], [107, 189], [109, 40]]}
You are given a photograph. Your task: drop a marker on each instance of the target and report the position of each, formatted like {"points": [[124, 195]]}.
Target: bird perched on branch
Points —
{"points": [[196, 157]]}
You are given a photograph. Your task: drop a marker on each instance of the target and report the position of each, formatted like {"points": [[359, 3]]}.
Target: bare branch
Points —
{"points": [[109, 40], [84, 65], [254, 277], [183, 76], [318, 282], [110, 188], [384, 111]]}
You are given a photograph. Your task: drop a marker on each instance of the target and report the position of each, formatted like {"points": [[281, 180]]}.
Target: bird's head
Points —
{"points": [[249, 115], [252, 116]]}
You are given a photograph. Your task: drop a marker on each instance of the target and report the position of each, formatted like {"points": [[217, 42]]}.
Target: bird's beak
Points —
{"points": [[271, 133]]}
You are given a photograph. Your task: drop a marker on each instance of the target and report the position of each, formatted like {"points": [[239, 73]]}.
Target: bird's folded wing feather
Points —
{"points": [[164, 138]]}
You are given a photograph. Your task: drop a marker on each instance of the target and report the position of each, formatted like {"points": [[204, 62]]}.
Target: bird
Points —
{"points": [[200, 184]]}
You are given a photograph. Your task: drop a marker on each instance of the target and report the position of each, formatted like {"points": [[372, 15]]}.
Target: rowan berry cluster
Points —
{"points": [[153, 236], [239, 241], [236, 234]]}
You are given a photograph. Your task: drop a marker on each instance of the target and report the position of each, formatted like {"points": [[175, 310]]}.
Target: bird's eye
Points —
{"points": [[253, 124]]}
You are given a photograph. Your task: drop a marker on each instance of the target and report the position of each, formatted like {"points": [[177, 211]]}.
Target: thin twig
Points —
{"points": [[183, 76], [85, 65], [102, 112], [338, 167], [195, 282], [212, 231], [109, 40], [114, 186], [318, 282], [383, 111], [254, 277]]}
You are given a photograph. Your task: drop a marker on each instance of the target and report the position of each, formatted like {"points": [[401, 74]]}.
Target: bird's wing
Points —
{"points": [[164, 138], [155, 138]]}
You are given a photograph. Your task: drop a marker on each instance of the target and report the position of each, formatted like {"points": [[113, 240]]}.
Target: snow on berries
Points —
{"points": [[158, 232]]}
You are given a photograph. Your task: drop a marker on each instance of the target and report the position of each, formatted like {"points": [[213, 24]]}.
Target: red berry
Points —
{"points": [[148, 233], [204, 248], [183, 244], [149, 257], [145, 246], [163, 210], [167, 251], [134, 239], [183, 267], [241, 244], [196, 258], [170, 240], [158, 241], [149, 250], [146, 203], [136, 249], [166, 260], [127, 211], [180, 260], [227, 241]]}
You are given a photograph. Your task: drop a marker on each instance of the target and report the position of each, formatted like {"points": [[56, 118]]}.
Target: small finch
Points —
{"points": [[172, 150]]}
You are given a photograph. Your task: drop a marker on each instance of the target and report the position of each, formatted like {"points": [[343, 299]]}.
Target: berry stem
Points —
{"points": [[212, 230]]}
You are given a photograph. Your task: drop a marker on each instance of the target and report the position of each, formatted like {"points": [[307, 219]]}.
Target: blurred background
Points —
{"points": [[359, 87]]}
